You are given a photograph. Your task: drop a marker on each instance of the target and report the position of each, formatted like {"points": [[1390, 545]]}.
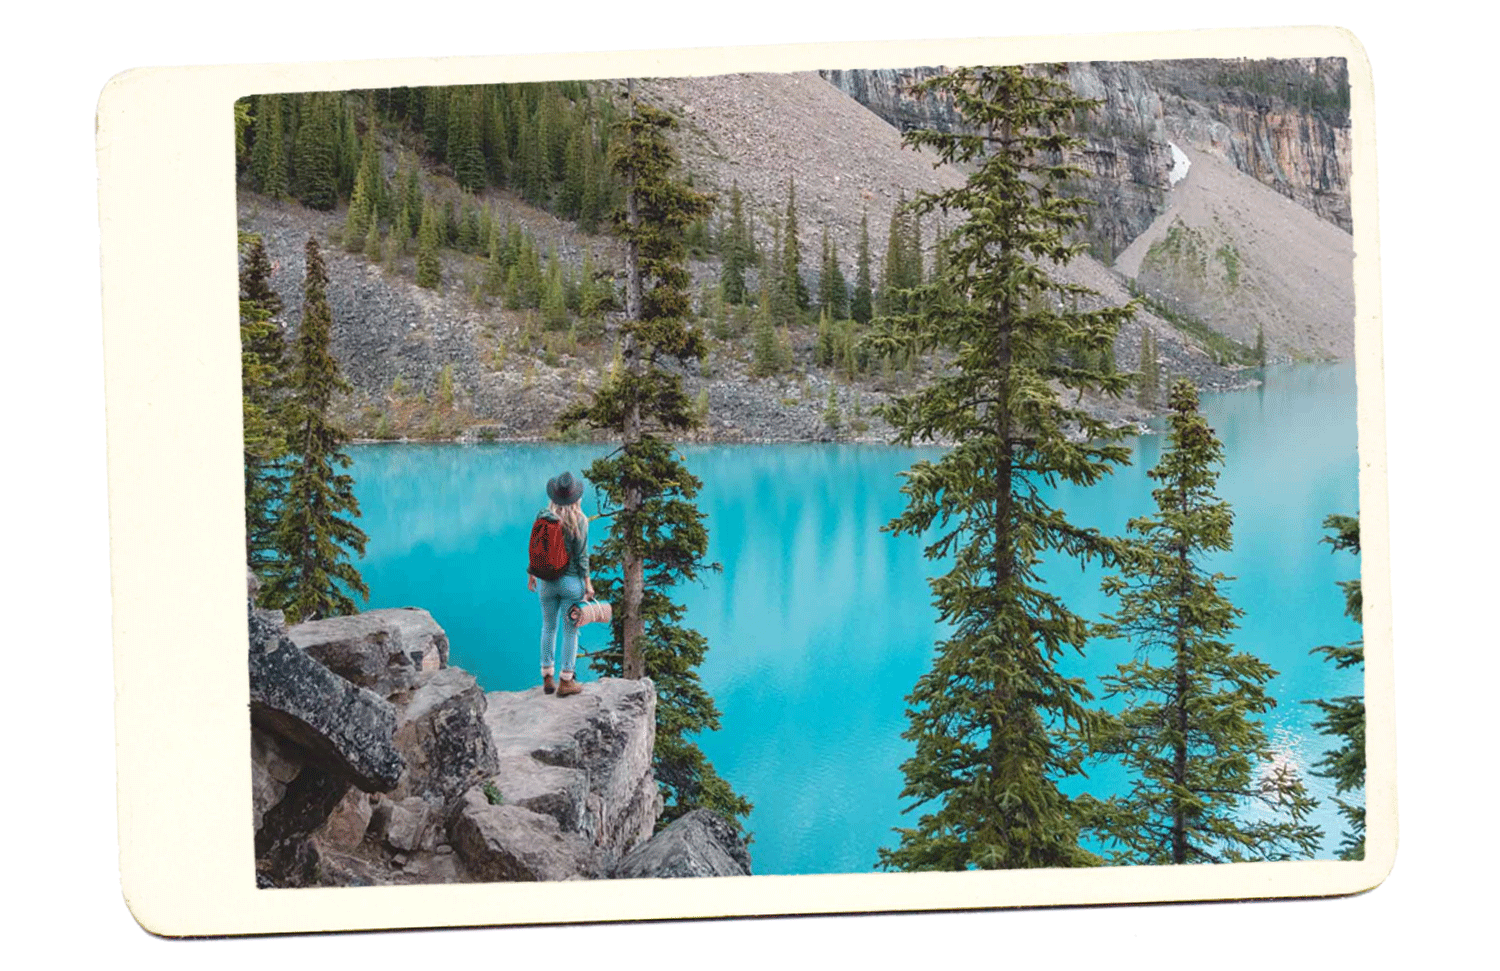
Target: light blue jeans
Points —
{"points": [[557, 596]]}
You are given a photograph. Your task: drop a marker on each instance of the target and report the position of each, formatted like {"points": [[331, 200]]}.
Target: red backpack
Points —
{"points": [[549, 549]]}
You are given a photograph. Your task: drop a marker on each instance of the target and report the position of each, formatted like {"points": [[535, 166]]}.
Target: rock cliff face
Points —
{"points": [[374, 762], [1284, 123]]}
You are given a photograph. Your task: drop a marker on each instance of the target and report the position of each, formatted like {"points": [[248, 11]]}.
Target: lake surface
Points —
{"points": [[820, 624]]}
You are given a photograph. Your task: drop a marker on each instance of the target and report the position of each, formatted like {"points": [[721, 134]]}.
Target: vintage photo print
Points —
{"points": [[804, 480]]}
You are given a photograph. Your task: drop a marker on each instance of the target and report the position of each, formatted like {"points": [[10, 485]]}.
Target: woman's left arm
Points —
{"points": [[583, 561]]}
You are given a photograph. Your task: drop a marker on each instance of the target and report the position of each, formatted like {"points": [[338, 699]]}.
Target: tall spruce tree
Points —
{"points": [[465, 146], [268, 157], [316, 151], [429, 267], [312, 576], [833, 294], [735, 249], [1148, 378], [1344, 717], [861, 304], [893, 276], [657, 538], [263, 379], [1198, 756], [983, 720], [361, 215], [795, 296]]}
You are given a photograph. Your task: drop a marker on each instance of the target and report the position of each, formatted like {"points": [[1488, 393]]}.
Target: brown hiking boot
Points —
{"points": [[547, 684], [568, 686]]}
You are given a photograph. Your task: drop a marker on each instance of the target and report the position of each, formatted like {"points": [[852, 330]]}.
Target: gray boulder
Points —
{"points": [[505, 842], [699, 844], [346, 730], [443, 738], [584, 761], [383, 650]]}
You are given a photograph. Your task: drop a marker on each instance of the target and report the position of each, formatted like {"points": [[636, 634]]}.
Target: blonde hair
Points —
{"points": [[572, 518]]}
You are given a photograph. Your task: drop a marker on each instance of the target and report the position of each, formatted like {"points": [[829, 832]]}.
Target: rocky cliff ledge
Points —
{"points": [[374, 762]]}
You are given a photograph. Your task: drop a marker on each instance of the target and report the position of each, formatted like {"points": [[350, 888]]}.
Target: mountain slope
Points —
{"points": [[1239, 256], [400, 345]]}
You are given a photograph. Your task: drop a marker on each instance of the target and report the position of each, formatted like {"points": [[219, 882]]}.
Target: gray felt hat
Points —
{"points": [[564, 489]]}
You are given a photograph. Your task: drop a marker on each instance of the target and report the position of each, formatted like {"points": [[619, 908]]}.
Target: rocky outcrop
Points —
{"points": [[698, 844], [374, 762], [586, 763], [443, 737], [344, 729], [383, 650]]}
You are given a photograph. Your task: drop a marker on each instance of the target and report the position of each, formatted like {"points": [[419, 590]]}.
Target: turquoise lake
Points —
{"points": [[820, 624]]}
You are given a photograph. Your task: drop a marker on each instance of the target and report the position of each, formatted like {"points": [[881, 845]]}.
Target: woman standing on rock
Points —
{"points": [[559, 571]]}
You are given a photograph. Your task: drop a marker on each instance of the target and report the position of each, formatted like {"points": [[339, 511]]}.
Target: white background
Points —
{"points": [[1435, 152]]}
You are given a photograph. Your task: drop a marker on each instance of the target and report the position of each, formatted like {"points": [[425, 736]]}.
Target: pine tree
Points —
{"points": [[465, 151], [839, 309], [243, 121], [794, 290], [861, 305], [435, 121], [554, 299], [825, 351], [1148, 378], [415, 203], [1260, 345], [268, 158], [570, 202], [594, 295], [448, 227], [831, 416], [833, 295], [429, 267], [316, 153], [657, 538], [1344, 717], [1189, 736], [494, 267], [373, 248], [765, 352], [530, 283], [469, 239], [735, 251], [893, 274], [263, 378], [315, 529], [912, 272], [594, 198], [347, 142], [773, 296], [987, 764], [361, 215]]}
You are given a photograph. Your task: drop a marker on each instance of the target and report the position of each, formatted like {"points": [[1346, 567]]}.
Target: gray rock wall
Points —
{"points": [[1285, 123]]}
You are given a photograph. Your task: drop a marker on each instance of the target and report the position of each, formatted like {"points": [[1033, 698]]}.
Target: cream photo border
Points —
{"points": [[165, 145]]}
